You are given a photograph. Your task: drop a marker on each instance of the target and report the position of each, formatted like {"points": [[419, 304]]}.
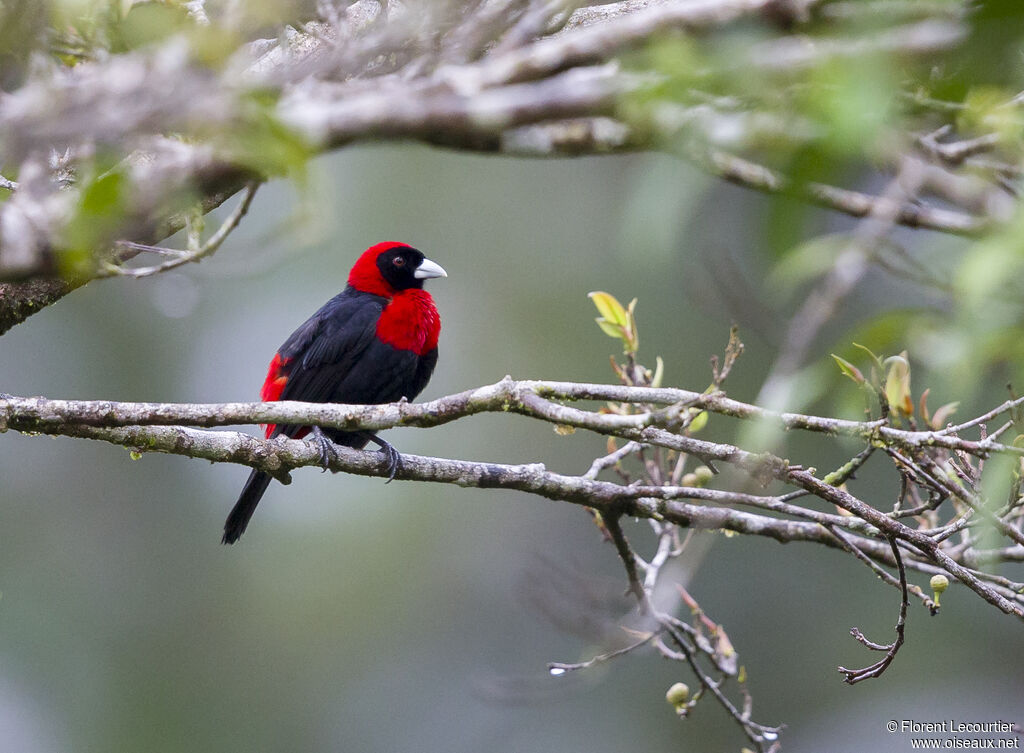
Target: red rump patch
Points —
{"points": [[274, 384]]}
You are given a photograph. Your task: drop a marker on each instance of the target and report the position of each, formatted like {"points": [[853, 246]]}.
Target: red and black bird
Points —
{"points": [[375, 342]]}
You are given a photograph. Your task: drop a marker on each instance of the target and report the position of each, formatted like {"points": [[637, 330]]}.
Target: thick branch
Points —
{"points": [[36, 413], [854, 203], [19, 300], [463, 80], [280, 456], [118, 423]]}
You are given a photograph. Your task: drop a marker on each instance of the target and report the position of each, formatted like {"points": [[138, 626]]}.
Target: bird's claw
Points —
{"points": [[326, 448], [393, 456]]}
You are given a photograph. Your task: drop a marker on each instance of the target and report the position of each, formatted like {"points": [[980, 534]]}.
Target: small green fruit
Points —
{"points": [[678, 695], [939, 583], [703, 474]]}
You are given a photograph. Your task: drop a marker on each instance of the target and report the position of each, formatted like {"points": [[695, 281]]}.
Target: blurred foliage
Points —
{"points": [[364, 617], [886, 385], [841, 118], [837, 97], [96, 220], [74, 30], [260, 141], [617, 321], [843, 108]]}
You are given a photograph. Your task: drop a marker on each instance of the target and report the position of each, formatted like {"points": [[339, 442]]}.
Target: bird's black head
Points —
{"points": [[397, 266], [387, 268], [404, 267]]}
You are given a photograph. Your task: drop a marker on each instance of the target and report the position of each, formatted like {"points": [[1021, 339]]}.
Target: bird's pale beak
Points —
{"points": [[428, 269]]}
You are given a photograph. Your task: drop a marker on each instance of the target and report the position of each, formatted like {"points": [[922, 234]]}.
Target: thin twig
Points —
{"points": [[854, 676], [629, 561], [955, 152], [850, 265], [560, 668], [759, 734], [880, 572], [611, 459], [854, 203], [193, 254]]}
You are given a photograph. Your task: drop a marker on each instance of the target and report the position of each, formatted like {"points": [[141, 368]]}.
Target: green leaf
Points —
{"points": [[849, 369], [989, 268], [261, 142], [699, 422], [659, 372], [878, 370], [612, 330], [609, 307], [853, 103], [997, 480], [897, 384], [96, 219], [632, 342], [142, 24], [943, 413]]}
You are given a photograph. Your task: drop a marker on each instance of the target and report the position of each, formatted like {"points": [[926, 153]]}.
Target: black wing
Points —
{"points": [[336, 357], [325, 349], [424, 369]]}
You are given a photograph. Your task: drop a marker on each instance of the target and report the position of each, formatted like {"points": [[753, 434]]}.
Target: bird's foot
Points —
{"points": [[394, 457], [326, 447]]}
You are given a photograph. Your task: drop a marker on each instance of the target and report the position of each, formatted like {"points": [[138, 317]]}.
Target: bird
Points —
{"points": [[375, 342]]}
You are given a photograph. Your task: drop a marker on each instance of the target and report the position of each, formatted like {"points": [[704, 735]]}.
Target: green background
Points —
{"points": [[355, 616]]}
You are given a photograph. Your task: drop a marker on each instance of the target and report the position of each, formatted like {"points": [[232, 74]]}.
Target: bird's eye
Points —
{"points": [[399, 261]]}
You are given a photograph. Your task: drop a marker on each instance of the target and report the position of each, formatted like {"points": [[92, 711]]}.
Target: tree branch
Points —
{"points": [[531, 397], [853, 676], [516, 78], [153, 427], [196, 251], [854, 203]]}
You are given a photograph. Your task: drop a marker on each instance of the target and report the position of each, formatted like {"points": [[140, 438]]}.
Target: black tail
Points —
{"points": [[240, 514]]}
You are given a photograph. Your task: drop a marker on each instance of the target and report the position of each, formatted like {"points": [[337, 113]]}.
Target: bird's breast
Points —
{"points": [[410, 322]]}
